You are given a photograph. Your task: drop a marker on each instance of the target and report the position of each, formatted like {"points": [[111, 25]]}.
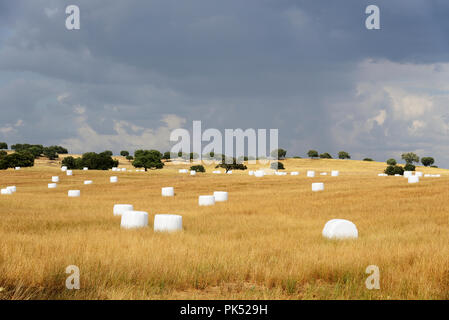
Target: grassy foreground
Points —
{"points": [[264, 243]]}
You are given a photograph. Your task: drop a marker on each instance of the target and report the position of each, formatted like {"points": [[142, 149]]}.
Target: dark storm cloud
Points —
{"points": [[292, 65]]}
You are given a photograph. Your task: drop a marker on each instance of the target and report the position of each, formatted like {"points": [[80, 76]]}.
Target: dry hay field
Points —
{"points": [[264, 243]]}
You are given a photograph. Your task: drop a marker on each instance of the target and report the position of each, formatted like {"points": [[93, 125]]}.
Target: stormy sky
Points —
{"points": [[136, 70]]}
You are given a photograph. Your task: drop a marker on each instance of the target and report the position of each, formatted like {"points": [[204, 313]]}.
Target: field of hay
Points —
{"points": [[264, 243]]}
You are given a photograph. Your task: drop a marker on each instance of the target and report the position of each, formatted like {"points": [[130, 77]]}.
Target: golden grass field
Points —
{"points": [[264, 243]]}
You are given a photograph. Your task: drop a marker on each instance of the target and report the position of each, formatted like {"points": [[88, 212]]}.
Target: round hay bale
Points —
{"points": [[311, 173], [167, 223], [317, 186], [74, 193], [334, 173], [206, 200], [113, 179], [259, 173], [251, 172], [69, 172], [220, 196], [5, 191], [119, 209], [88, 181], [168, 192], [123, 169], [340, 229], [323, 174], [294, 173], [408, 174], [216, 171], [183, 171], [229, 172], [413, 179], [134, 219], [52, 185], [192, 172], [85, 168], [55, 179], [17, 168], [12, 188], [64, 168], [418, 174]]}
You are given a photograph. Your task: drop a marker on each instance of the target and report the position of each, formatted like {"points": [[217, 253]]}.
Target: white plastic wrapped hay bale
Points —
{"points": [[229, 172], [88, 181], [69, 172], [63, 168], [259, 173], [340, 229], [413, 179], [317, 186], [427, 175], [397, 175], [323, 174], [335, 173], [251, 172], [408, 174], [12, 188], [52, 185], [5, 191], [123, 169], [168, 192], [382, 175], [183, 171], [418, 174], [74, 193], [134, 219], [220, 196], [113, 179], [192, 172], [436, 175], [167, 223], [311, 173], [17, 168], [55, 179], [114, 169], [206, 200], [85, 168], [216, 172], [119, 209], [294, 173]]}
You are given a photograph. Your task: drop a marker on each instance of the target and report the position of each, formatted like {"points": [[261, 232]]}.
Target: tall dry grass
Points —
{"points": [[264, 243]]}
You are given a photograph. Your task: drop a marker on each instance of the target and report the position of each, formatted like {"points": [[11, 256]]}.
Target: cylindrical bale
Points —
{"points": [[55, 179], [113, 179], [167, 222], [17, 168], [192, 172], [88, 181], [5, 191], [85, 168], [382, 174], [294, 173], [74, 193], [123, 169], [220, 196], [251, 172], [408, 174], [168, 192], [229, 172], [427, 175], [52, 185], [69, 172], [12, 188], [206, 200], [340, 229], [134, 219], [183, 171], [63, 168], [259, 173], [413, 179], [418, 174], [120, 208], [311, 173], [323, 173], [216, 171], [334, 173], [317, 186]]}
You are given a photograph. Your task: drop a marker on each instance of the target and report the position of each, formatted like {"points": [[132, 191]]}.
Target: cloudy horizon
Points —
{"points": [[135, 71]]}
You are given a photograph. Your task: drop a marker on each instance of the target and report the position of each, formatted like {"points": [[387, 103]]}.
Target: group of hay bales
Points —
{"points": [[412, 177], [130, 218]]}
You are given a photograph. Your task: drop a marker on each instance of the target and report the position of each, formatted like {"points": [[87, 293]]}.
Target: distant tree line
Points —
{"points": [[91, 160], [16, 159], [410, 158], [38, 150]]}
